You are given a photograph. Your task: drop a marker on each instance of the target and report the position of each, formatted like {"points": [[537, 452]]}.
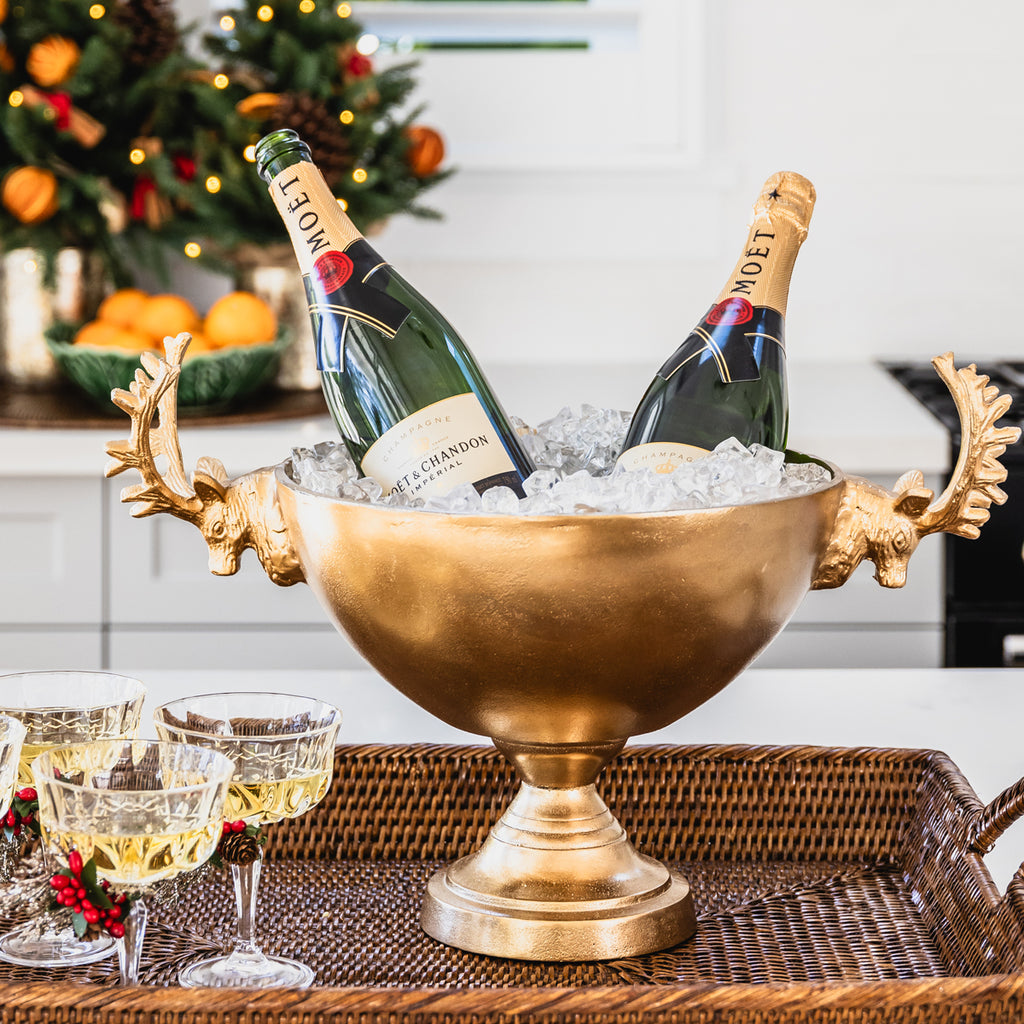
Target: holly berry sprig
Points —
{"points": [[22, 815], [93, 908]]}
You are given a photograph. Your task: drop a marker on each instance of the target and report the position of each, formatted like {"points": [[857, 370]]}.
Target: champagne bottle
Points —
{"points": [[728, 378], [405, 393]]}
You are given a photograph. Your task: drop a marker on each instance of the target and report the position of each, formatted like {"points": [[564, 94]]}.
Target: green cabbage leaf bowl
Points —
{"points": [[210, 382]]}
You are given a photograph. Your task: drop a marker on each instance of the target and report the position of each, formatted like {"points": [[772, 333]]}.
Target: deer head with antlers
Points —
{"points": [[231, 514], [885, 527]]}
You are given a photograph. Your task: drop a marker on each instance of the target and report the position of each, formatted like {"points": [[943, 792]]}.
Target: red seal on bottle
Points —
{"points": [[731, 311], [333, 269]]}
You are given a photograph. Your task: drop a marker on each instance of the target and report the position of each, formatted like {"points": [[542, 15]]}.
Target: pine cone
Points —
{"points": [[153, 28], [239, 848], [318, 128]]}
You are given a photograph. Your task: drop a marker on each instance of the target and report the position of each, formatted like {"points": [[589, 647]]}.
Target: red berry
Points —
{"points": [[60, 881], [238, 826], [117, 930], [91, 915], [75, 862], [113, 913], [226, 828], [68, 894], [9, 818], [76, 909], [28, 794]]}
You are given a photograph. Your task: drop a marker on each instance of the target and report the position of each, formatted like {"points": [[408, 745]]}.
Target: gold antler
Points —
{"points": [[964, 506], [232, 515], [886, 527], [154, 393]]}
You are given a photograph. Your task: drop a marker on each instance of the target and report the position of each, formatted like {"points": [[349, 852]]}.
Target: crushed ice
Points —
{"points": [[575, 457]]}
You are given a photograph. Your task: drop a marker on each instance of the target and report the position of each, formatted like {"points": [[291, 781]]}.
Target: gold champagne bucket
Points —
{"points": [[559, 637]]}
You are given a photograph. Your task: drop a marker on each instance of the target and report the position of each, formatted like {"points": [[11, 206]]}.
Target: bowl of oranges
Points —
{"points": [[235, 351]]}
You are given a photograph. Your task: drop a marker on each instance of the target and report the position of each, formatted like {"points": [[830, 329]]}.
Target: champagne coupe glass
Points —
{"points": [[12, 735], [283, 750], [57, 708], [144, 811]]}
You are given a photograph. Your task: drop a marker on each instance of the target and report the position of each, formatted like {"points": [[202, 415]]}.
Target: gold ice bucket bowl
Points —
{"points": [[559, 629], [559, 637]]}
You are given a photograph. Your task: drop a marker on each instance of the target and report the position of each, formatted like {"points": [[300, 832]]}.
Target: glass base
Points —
{"points": [[246, 970], [29, 947]]}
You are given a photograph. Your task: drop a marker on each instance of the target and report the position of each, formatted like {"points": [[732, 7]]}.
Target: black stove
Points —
{"points": [[921, 380], [984, 578]]}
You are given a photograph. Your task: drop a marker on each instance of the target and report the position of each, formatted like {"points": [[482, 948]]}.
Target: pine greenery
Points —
{"points": [[194, 180], [312, 54]]}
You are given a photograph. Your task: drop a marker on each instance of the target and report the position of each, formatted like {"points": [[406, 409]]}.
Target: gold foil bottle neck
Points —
{"points": [[788, 195]]}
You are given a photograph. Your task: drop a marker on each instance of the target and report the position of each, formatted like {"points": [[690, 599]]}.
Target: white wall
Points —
{"points": [[904, 114]]}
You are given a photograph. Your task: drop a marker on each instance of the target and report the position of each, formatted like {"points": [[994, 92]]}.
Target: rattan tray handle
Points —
{"points": [[997, 817]]}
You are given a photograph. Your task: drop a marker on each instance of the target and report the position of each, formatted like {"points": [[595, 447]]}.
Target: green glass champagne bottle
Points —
{"points": [[728, 378], [404, 391]]}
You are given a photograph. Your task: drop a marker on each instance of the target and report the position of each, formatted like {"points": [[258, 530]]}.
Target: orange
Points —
{"points": [[199, 346], [240, 318], [166, 316], [122, 307], [100, 334]]}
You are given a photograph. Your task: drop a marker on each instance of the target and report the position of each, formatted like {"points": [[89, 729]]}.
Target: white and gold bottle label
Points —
{"points": [[433, 451], [659, 456]]}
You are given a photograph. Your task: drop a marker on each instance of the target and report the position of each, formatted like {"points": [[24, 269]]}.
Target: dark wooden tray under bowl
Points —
{"points": [[832, 885]]}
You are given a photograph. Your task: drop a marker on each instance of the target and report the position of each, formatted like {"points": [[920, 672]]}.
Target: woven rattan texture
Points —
{"points": [[844, 875]]}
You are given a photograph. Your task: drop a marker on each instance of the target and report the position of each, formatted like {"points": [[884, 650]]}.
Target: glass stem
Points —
{"points": [[129, 947], [247, 881]]}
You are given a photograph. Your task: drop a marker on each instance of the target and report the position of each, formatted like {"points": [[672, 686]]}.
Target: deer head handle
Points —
{"points": [[885, 527], [231, 514]]}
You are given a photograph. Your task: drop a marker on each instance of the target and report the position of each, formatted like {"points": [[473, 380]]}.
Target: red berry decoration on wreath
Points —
{"points": [[93, 909], [20, 819]]}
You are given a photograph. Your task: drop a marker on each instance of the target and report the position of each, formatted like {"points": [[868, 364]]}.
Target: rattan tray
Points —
{"points": [[831, 885]]}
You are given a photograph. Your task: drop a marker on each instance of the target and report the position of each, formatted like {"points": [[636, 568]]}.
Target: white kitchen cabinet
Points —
{"points": [[52, 572]]}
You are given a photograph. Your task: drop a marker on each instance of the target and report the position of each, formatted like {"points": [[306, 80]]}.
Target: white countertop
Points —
{"points": [[853, 414], [973, 715]]}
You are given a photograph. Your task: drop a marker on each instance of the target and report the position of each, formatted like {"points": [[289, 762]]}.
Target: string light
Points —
{"points": [[213, 184], [346, 117], [250, 154], [367, 44], [342, 203], [359, 175], [193, 249], [16, 98], [137, 156], [265, 13], [307, 6], [221, 81], [30, 266], [343, 10], [96, 11]]}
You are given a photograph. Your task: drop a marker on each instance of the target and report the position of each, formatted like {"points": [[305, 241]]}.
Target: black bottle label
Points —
{"points": [[731, 334], [350, 285]]}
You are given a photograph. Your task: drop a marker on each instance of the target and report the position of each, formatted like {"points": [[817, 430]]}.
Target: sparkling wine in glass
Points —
{"points": [[144, 811], [12, 736], [282, 747], [58, 708]]}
